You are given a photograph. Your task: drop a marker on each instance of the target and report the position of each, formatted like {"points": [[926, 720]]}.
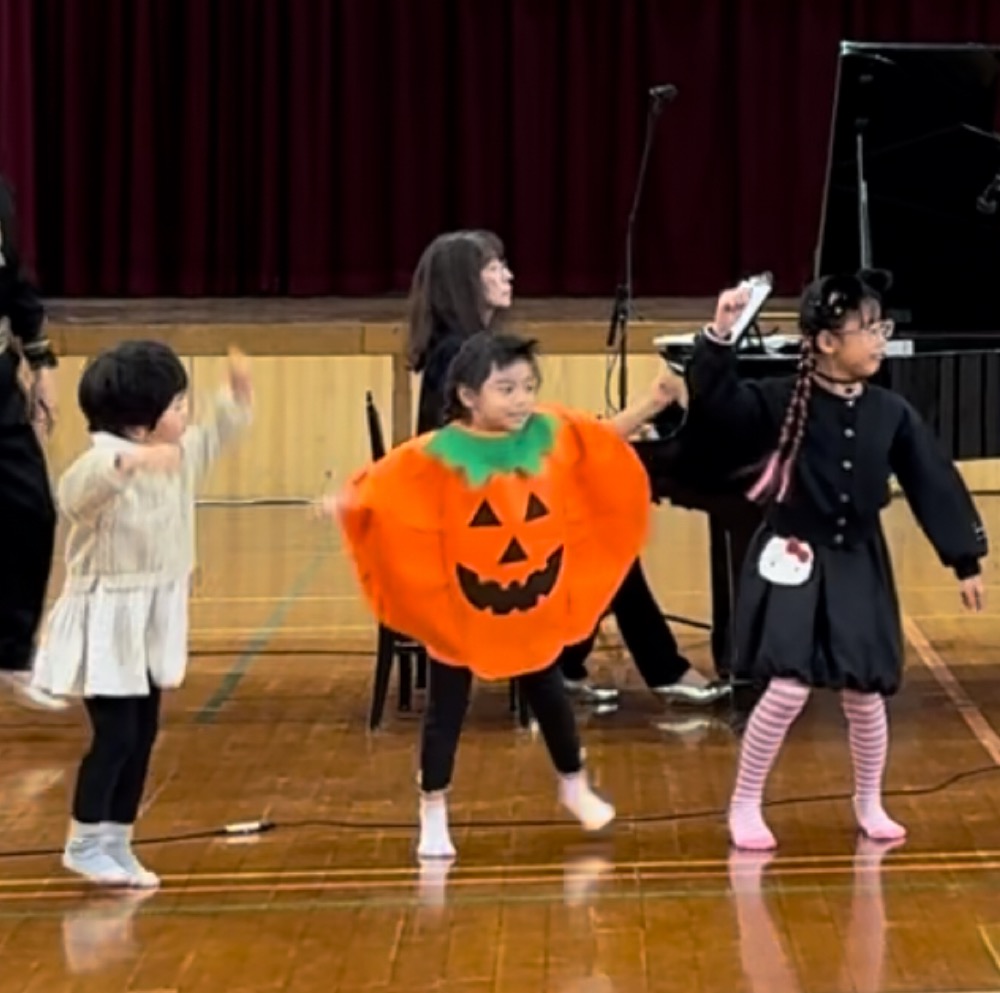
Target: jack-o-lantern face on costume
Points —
{"points": [[497, 551], [509, 564]]}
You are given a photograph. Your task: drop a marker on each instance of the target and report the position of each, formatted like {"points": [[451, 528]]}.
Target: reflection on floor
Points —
{"points": [[271, 724]]}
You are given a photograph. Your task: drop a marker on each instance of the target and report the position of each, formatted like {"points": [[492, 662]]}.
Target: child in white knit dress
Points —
{"points": [[117, 635]]}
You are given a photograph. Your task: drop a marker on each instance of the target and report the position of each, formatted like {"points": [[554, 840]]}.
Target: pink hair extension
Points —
{"points": [[765, 481], [776, 477]]}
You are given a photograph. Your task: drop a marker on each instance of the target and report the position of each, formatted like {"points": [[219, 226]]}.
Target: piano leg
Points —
{"points": [[729, 540], [720, 557], [728, 544]]}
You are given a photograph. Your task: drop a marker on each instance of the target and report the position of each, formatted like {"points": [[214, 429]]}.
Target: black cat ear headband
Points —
{"points": [[829, 299]]}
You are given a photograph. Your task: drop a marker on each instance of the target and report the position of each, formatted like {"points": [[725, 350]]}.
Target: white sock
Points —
{"points": [[583, 803], [435, 839], [79, 832]]}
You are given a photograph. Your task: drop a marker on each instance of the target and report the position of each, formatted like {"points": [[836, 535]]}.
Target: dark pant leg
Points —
{"points": [[447, 700], [132, 779], [572, 661], [115, 724], [27, 531], [549, 703], [645, 631]]}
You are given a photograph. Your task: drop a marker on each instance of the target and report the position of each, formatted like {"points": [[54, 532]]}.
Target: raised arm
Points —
{"points": [[715, 389], [232, 413], [736, 421], [667, 389]]}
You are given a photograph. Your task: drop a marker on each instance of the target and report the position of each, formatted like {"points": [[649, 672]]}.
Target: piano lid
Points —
{"points": [[928, 116], [676, 349]]}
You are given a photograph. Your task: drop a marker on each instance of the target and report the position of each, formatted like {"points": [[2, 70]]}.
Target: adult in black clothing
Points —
{"points": [[462, 285], [27, 509]]}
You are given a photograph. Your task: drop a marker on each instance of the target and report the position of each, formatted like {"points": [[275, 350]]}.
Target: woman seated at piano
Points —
{"points": [[462, 285]]}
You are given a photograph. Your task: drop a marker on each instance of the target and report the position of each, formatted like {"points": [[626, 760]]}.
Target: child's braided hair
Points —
{"points": [[826, 305]]}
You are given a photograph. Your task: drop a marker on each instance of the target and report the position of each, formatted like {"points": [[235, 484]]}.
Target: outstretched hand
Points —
{"points": [[668, 388], [328, 507], [44, 403]]}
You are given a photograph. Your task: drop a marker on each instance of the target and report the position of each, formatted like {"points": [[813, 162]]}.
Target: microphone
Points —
{"points": [[664, 93]]}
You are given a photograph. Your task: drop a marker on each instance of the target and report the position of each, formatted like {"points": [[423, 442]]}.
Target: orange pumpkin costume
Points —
{"points": [[496, 551]]}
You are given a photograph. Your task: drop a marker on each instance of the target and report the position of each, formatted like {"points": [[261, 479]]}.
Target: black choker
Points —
{"points": [[834, 379]]}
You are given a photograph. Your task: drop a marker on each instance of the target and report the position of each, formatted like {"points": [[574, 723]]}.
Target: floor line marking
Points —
{"points": [[964, 704]]}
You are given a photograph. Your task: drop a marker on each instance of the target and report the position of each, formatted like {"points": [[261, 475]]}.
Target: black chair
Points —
{"points": [[392, 646]]}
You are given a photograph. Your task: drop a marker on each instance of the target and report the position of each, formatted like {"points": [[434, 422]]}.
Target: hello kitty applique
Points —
{"points": [[786, 561]]}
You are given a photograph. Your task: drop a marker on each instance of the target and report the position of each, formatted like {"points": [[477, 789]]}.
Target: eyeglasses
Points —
{"points": [[877, 329]]}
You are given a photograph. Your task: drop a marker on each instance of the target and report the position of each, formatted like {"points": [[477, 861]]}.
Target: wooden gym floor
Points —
{"points": [[271, 724]]}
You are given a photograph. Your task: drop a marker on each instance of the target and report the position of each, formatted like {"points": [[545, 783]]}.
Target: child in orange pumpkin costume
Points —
{"points": [[495, 541]]}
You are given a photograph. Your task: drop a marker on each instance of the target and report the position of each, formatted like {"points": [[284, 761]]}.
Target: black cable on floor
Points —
{"points": [[250, 828]]}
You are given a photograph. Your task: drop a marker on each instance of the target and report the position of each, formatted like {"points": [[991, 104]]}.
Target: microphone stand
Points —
{"points": [[864, 220], [621, 309]]}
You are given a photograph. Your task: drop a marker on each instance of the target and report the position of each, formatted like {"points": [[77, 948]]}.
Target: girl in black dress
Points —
{"points": [[817, 604]]}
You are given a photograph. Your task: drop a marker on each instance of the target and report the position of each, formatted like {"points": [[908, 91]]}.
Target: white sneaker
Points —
{"points": [[19, 683], [117, 841], [86, 857], [590, 692]]}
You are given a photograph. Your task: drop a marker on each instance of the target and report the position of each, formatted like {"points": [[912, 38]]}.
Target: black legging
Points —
{"points": [[113, 773], [448, 698], [644, 630], [27, 530]]}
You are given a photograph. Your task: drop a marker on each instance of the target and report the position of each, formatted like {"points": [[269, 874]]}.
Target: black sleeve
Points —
{"points": [[741, 415], [938, 496], [20, 302], [27, 323]]}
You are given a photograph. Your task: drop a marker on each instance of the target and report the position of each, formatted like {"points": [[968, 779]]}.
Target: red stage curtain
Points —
{"points": [[17, 112], [224, 147]]}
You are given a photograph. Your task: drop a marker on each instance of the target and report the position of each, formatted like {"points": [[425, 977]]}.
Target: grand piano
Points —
{"points": [[912, 187]]}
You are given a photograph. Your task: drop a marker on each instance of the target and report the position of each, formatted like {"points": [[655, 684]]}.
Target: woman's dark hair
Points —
{"points": [[476, 360], [827, 304], [130, 386], [447, 289]]}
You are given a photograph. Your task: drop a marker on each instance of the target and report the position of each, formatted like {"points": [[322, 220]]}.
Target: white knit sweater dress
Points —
{"points": [[121, 620]]}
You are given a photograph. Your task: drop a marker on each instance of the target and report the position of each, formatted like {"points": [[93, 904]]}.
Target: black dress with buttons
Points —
{"points": [[841, 627]]}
